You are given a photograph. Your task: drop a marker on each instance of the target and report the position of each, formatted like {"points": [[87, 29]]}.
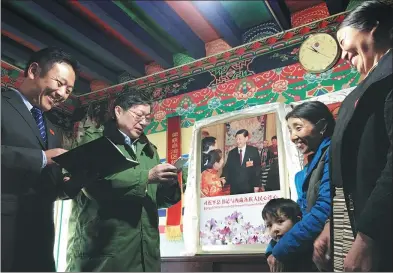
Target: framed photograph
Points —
{"points": [[237, 164]]}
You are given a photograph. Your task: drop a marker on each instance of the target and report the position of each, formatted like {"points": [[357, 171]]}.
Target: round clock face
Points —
{"points": [[319, 52]]}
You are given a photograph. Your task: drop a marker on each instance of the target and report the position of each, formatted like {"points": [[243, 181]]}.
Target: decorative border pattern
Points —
{"points": [[244, 52]]}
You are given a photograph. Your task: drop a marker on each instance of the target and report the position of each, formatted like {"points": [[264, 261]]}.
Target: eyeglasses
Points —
{"points": [[139, 117]]}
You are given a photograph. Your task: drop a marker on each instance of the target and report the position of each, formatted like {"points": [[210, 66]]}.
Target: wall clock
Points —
{"points": [[319, 52]]}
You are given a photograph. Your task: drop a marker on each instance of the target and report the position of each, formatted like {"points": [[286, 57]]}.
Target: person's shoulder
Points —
{"points": [[252, 148], [153, 146], [234, 150], [3, 90], [7, 92]]}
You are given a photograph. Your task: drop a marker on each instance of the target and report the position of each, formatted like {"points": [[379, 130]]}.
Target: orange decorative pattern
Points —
{"points": [[309, 15], [96, 85], [216, 46]]}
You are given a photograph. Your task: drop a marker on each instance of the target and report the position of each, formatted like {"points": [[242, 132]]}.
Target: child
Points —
{"points": [[280, 215]]}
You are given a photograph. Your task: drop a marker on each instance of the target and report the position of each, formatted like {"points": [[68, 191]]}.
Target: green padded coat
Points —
{"points": [[114, 222]]}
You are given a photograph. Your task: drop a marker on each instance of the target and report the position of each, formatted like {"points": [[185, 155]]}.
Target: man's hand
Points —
{"points": [[360, 257], [274, 264], [163, 173], [321, 253], [53, 153]]}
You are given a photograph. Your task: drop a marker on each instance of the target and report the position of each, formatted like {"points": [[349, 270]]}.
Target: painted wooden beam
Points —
{"points": [[33, 10], [19, 26], [174, 26], [114, 46], [281, 13], [220, 19], [114, 17], [15, 51], [149, 25], [195, 20], [22, 54]]}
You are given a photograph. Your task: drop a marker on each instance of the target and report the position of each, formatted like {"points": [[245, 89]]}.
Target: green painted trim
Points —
{"points": [[247, 14]]}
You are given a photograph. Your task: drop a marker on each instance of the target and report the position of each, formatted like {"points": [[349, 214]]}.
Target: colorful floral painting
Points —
{"points": [[233, 230], [286, 84]]}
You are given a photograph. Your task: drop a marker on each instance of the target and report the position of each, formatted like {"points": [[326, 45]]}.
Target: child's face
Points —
{"points": [[278, 226]]}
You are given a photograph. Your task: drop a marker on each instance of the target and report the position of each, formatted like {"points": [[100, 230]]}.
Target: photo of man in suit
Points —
{"points": [[31, 181], [243, 166]]}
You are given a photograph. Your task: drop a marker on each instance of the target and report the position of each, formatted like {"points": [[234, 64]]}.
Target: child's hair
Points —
{"points": [[214, 156], [282, 206]]}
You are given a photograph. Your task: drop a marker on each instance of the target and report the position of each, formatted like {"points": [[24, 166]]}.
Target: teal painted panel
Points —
{"points": [[247, 14]]}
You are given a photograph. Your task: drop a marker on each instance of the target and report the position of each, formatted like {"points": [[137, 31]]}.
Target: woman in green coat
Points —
{"points": [[114, 222]]}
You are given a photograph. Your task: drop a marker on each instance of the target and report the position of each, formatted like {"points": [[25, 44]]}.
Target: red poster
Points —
{"points": [[174, 213]]}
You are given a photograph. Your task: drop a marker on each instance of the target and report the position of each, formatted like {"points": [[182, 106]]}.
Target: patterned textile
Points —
{"points": [[181, 59], [258, 32], [216, 46], [309, 15], [343, 235]]}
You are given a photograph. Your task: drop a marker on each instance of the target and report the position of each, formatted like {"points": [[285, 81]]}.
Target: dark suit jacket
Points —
{"points": [[242, 179], [361, 158], [28, 192]]}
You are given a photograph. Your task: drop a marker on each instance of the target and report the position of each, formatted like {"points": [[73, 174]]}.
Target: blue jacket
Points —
{"points": [[301, 237]]}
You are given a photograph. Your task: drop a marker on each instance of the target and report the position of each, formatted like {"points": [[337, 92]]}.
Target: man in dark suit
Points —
{"points": [[31, 182], [243, 166]]}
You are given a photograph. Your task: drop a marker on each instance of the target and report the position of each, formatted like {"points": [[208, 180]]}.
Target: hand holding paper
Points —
{"points": [[163, 173]]}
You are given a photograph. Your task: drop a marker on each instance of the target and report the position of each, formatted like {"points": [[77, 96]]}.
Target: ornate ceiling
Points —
{"points": [[117, 41]]}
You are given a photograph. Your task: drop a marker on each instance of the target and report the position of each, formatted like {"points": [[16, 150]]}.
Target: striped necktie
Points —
{"points": [[39, 119]]}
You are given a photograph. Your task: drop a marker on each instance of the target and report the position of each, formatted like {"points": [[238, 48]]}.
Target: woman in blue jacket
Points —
{"points": [[311, 125]]}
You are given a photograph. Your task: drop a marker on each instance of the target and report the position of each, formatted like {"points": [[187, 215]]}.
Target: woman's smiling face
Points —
{"points": [[304, 135], [358, 48]]}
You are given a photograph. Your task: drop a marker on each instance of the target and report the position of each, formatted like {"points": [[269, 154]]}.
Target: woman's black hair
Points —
{"points": [[315, 112], [214, 157], [370, 14]]}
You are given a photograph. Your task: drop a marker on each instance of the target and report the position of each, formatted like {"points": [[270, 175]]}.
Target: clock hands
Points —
{"points": [[313, 49], [316, 51]]}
